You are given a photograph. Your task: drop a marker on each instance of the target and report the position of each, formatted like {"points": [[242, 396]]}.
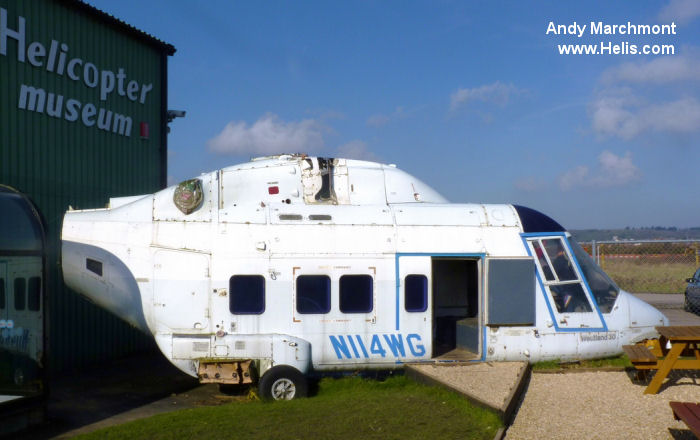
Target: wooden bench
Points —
{"points": [[640, 356], [689, 413]]}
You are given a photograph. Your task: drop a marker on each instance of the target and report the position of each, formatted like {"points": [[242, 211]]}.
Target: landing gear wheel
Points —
{"points": [[283, 383]]}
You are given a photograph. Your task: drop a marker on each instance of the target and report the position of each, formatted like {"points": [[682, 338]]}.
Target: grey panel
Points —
{"points": [[511, 292], [468, 334]]}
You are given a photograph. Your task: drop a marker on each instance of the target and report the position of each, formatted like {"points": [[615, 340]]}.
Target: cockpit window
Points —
{"points": [[560, 278], [560, 260], [548, 274], [603, 288]]}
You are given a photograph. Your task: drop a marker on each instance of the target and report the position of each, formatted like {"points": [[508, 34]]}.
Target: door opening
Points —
{"points": [[455, 307]]}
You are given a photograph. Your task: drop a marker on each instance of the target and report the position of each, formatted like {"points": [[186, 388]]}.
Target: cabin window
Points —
{"points": [[356, 293], [20, 289], [34, 294], [2, 293], [416, 293], [313, 294], [247, 294]]}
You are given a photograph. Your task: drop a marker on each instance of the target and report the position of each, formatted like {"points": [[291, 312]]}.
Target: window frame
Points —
{"points": [[549, 284], [370, 293], [34, 294], [327, 294], [262, 300], [22, 294], [425, 293]]}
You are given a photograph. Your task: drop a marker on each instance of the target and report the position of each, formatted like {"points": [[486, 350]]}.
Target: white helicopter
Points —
{"points": [[286, 265]]}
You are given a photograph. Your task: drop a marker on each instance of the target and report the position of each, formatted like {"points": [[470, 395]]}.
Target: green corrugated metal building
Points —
{"points": [[83, 117]]}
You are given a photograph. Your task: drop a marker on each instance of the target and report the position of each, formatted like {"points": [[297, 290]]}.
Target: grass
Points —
{"points": [[617, 361], [640, 277], [348, 408]]}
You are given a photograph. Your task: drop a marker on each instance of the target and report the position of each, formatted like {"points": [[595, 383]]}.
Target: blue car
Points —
{"points": [[692, 293]]}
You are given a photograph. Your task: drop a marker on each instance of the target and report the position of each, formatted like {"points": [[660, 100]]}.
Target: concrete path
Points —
{"points": [[494, 385], [671, 305]]}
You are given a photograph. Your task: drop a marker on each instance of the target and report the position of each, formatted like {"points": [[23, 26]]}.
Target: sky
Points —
{"points": [[472, 97]]}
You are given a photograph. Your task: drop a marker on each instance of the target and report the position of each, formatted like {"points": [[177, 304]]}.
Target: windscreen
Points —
{"points": [[603, 288]]}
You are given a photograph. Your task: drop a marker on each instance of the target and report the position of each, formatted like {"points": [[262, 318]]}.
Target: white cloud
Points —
{"points": [[356, 150], [496, 93], [269, 135], [625, 116], [574, 177], [378, 120], [530, 184], [681, 11], [662, 70], [613, 171]]}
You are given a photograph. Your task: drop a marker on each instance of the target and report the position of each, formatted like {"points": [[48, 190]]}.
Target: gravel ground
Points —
{"points": [[601, 405], [490, 382]]}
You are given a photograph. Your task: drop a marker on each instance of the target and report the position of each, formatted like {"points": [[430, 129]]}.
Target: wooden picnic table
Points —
{"points": [[684, 341], [689, 413]]}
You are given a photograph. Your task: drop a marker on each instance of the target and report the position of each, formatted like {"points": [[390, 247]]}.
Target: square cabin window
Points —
{"points": [[2, 293], [313, 294], [247, 294], [34, 294], [356, 293], [416, 293], [20, 293]]}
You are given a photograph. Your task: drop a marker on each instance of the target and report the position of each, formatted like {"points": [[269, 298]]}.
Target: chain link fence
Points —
{"points": [[648, 266]]}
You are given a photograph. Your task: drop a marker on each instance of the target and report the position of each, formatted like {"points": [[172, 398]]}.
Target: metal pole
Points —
{"points": [[594, 252]]}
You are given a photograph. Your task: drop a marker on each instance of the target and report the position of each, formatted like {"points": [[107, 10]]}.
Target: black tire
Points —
{"points": [[283, 383]]}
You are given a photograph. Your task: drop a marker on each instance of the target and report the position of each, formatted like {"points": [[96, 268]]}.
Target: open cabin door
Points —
{"points": [[568, 297], [456, 282]]}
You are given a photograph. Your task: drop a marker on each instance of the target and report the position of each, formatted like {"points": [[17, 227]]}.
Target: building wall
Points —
{"points": [[60, 156]]}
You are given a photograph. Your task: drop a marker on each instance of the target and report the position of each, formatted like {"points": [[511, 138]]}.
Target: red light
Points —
{"points": [[273, 190], [144, 130]]}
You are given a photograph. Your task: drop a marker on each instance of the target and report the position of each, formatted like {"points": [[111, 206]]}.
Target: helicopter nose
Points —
{"points": [[642, 314]]}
